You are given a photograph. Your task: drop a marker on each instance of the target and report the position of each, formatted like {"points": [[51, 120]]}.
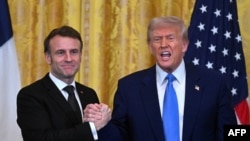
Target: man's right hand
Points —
{"points": [[99, 114]]}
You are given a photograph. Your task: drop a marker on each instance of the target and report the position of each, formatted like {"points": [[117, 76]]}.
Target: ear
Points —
{"points": [[184, 46], [48, 58], [150, 48]]}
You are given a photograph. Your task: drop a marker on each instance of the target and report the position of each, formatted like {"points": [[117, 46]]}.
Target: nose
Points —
{"points": [[68, 56], [164, 42]]}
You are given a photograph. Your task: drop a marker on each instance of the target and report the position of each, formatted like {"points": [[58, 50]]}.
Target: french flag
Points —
{"points": [[10, 82]]}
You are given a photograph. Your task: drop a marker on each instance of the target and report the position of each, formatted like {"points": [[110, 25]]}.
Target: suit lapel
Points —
{"points": [[151, 103], [82, 96], [192, 101]]}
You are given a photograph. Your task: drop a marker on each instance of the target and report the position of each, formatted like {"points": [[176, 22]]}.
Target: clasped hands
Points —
{"points": [[99, 114]]}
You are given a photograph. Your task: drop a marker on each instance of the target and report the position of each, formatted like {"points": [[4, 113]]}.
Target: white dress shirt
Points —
{"points": [[179, 86]]}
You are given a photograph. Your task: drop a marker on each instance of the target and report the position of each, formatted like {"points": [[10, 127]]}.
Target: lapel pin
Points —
{"points": [[197, 87]]}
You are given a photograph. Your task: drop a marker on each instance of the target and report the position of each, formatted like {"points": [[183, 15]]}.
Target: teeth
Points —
{"points": [[165, 53]]}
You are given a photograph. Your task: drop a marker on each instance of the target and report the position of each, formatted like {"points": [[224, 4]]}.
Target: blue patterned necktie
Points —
{"points": [[170, 112]]}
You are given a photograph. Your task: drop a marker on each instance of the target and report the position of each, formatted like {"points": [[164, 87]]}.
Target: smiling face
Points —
{"points": [[167, 45], [64, 57]]}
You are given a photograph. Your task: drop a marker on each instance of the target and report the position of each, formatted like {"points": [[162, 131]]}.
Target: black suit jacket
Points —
{"points": [[43, 114], [137, 117]]}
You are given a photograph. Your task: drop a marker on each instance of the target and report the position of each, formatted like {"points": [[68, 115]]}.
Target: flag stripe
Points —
{"points": [[10, 78], [5, 24]]}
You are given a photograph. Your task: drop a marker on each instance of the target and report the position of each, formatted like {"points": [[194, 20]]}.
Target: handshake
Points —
{"points": [[99, 114]]}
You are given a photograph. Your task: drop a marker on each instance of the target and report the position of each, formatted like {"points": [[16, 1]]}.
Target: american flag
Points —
{"points": [[215, 42]]}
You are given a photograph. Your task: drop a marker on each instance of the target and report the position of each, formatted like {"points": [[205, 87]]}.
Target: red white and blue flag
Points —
{"points": [[9, 78], [215, 42]]}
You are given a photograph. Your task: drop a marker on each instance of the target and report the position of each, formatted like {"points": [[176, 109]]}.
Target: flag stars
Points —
{"points": [[198, 43], [229, 16], [214, 30], [201, 26], [195, 61], [233, 91], [203, 8], [216, 44], [225, 52], [227, 34], [237, 56], [235, 73], [223, 69], [209, 65], [212, 48], [217, 13], [238, 38]]}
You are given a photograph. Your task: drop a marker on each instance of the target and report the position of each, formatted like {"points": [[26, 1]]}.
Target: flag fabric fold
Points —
{"points": [[10, 82], [216, 43]]}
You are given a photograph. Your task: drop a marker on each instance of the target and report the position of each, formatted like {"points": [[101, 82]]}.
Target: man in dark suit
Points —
{"points": [[44, 112], [204, 102]]}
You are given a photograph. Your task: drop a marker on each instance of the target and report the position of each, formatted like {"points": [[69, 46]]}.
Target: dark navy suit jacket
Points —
{"points": [[43, 114], [137, 117]]}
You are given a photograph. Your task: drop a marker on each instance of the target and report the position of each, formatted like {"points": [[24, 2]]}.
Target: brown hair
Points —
{"points": [[65, 31]]}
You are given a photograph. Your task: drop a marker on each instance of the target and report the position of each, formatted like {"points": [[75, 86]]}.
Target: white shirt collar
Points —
{"points": [[179, 73], [59, 83]]}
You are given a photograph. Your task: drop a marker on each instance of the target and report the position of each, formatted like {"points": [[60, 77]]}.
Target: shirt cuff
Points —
{"points": [[93, 130]]}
